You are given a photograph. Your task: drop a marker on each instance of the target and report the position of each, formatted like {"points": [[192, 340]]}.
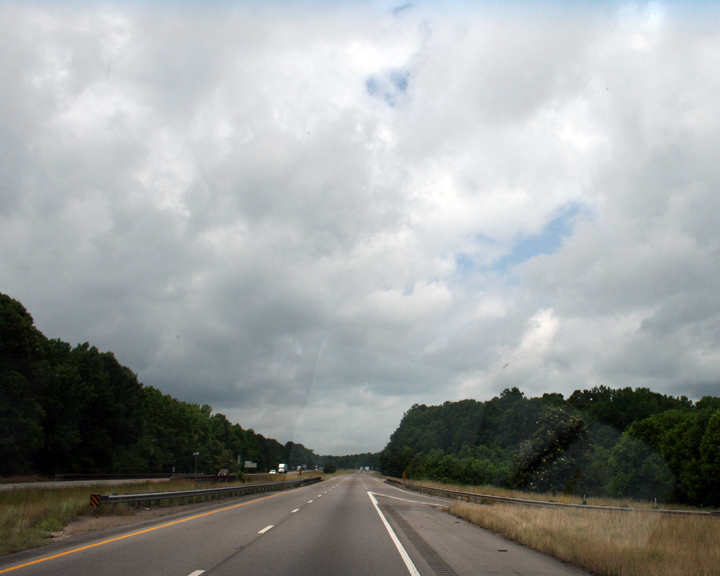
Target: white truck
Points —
{"points": [[282, 469]]}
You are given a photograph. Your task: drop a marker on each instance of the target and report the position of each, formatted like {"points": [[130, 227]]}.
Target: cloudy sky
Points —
{"points": [[312, 215]]}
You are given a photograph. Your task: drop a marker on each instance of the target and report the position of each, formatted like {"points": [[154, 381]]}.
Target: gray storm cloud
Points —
{"points": [[312, 217]]}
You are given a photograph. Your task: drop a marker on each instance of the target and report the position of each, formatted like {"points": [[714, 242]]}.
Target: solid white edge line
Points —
{"points": [[425, 495], [196, 573], [266, 529], [405, 499], [403, 554]]}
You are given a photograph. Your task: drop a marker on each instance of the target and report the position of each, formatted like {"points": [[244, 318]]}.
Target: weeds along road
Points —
{"points": [[74, 483], [348, 525]]}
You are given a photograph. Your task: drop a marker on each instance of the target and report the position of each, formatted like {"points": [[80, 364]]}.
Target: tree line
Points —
{"points": [[67, 409], [353, 461], [602, 442], [70, 409]]}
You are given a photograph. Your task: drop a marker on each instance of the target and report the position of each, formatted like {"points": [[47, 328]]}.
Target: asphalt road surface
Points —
{"points": [[350, 525]]}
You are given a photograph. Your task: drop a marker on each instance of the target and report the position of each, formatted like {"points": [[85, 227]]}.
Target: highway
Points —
{"points": [[352, 525]]}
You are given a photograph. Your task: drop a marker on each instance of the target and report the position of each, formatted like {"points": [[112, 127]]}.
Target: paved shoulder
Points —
{"points": [[442, 544]]}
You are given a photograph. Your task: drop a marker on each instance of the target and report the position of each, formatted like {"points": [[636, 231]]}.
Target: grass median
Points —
{"points": [[30, 517]]}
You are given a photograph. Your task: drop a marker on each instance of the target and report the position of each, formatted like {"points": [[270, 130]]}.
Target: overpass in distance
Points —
{"points": [[350, 525]]}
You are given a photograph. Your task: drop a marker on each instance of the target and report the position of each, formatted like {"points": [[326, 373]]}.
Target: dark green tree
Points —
{"points": [[23, 370], [542, 462], [227, 461], [638, 472]]}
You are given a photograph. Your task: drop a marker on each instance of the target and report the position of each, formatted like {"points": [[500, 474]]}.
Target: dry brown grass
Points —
{"points": [[550, 497], [23, 479], [30, 516], [608, 543]]}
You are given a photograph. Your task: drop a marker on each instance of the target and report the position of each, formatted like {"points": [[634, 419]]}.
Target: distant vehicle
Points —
{"points": [[273, 472], [282, 469], [224, 472]]}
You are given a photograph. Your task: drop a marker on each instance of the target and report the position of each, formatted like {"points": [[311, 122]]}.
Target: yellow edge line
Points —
{"points": [[135, 534]]}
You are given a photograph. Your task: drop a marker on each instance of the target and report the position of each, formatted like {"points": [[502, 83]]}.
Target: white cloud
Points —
{"points": [[310, 218]]}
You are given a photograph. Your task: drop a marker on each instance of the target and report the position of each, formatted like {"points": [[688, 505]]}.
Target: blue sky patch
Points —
{"points": [[547, 242], [388, 86]]}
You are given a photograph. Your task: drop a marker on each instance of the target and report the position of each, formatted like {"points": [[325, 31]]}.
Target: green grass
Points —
{"points": [[29, 517]]}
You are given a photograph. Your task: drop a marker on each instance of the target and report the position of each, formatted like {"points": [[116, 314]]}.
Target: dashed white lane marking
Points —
{"points": [[310, 501], [265, 529], [296, 510], [403, 554], [196, 573]]}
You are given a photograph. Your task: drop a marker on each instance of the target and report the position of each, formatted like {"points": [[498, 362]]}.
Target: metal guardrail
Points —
{"points": [[141, 477], [149, 497], [157, 476], [485, 498], [76, 477]]}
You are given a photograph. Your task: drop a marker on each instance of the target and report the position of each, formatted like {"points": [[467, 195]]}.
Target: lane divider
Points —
{"points": [[196, 573], [266, 529]]}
